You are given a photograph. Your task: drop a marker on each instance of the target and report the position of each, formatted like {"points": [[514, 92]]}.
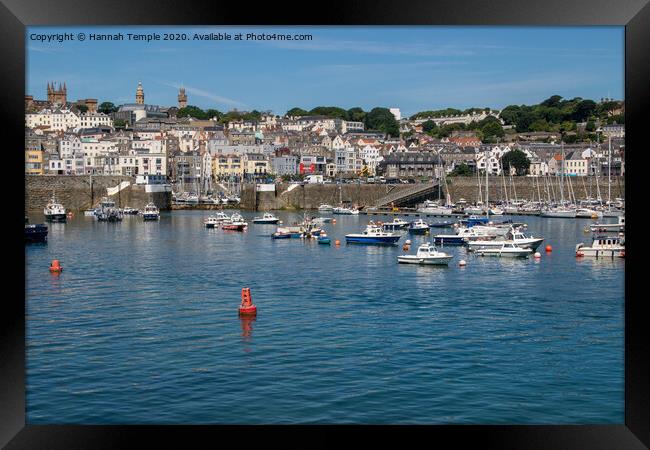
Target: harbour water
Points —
{"points": [[142, 327]]}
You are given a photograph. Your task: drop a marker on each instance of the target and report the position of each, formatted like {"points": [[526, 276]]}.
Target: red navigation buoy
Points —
{"points": [[549, 248], [247, 307], [55, 267]]}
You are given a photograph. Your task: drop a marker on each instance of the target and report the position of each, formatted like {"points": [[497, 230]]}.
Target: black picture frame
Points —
{"points": [[15, 15]]}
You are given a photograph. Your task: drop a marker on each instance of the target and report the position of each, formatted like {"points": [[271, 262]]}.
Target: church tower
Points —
{"points": [[182, 98], [56, 95], [139, 94]]}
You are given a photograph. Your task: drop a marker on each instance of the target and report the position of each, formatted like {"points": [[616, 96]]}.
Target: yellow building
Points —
{"points": [[34, 162], [256, 166], [226, 166]]}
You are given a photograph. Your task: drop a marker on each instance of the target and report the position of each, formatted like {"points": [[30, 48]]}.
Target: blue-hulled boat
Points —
{"points": [[448, 239], [418, 227], [36, 232], [446, 224], [474, 220], [373, 234]]}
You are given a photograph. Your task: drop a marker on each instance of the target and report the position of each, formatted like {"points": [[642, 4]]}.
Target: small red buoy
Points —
{"points": [[549, 248], [337, 242], [55, 267], [247, 307]]}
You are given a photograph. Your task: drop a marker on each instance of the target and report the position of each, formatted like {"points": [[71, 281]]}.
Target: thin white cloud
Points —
{"points": [[205, 94]]}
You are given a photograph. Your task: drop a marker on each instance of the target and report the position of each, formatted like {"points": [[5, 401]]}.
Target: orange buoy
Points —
{"points": [[333, 220], [549, 248], [337, 242], [247, 307], [55, 267]]}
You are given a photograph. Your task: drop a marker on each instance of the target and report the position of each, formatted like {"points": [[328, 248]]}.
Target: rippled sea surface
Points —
{"points": [[142, 327]]}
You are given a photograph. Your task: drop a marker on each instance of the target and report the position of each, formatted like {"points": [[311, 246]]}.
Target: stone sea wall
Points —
{"points": [[75, 194], [310, 196]]}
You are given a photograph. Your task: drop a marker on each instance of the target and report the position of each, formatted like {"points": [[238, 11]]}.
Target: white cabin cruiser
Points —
{"points": [[151, 212], [211, 222], [506, 249], [559, 212], [588, 213], [268, 218], [429, 207], [54, 211], [396, 224], [325, 208], [426, 254], [514, 236], [603, 247], [620, 226]]}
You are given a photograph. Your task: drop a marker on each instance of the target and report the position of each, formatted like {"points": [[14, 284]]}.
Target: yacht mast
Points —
{"points": [[609, 173], [562, 179]]}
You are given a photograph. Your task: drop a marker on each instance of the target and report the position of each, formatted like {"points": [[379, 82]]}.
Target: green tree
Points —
{"points": [[591, 125], [297, 112], [553, 101], [107, 108], [192, 111], [82, 108], [517, 160], [462, 170], [429, 126], [119, 123], [210, 113], [356, 114], [381, 119], [329, 111], [583, 110]]}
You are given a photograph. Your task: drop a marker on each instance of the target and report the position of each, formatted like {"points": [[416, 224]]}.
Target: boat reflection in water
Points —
{"points": [[246, 323]]}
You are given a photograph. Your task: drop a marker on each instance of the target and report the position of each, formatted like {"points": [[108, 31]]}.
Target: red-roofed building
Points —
{"points": [[465, 141]]}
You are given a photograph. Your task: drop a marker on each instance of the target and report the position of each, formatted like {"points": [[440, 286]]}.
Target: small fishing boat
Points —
{"points": [[130, 211], [324, 239], [373, 234], [90, 212], [150, 212], [35, 232], [268, 218], [418, 227], [221, 216], [54, 211], [514, 236], [211, 222], [281, 235], [603, 247], [604, 227], [588, 213], [396, 224], [506, 249], [289, 232], [325, 208], [445, 224], [345, 211], [426, 254], [235, 223]]}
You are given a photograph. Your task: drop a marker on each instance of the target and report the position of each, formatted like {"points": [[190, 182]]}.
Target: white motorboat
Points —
{"points": [[325, 208], [433, 208], [495, 211], [514, 236], [221, 216], [268, 218], [474, 210], [396, 224], [89, 212], [603, 247], [235, 223], [211, 222], [418, 227], [426, 254], [507, 249], [588, 213], [620, 226], [373, 234], [345, 211], [129, 211], [150, 212], [54, 211], [612, 212], [558, 212]]}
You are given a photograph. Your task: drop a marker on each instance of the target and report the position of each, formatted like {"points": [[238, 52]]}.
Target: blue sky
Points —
{"points": [[413, 68]]}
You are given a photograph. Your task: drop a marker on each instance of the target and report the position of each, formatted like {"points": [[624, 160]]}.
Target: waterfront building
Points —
{"points": [[410, 165], [284, 165], [34, 162], [228, 166], [94, 119], [256, 166]]}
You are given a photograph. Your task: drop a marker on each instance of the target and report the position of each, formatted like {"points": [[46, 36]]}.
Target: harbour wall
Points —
{"points": [[75, 194], [310, 196]]}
